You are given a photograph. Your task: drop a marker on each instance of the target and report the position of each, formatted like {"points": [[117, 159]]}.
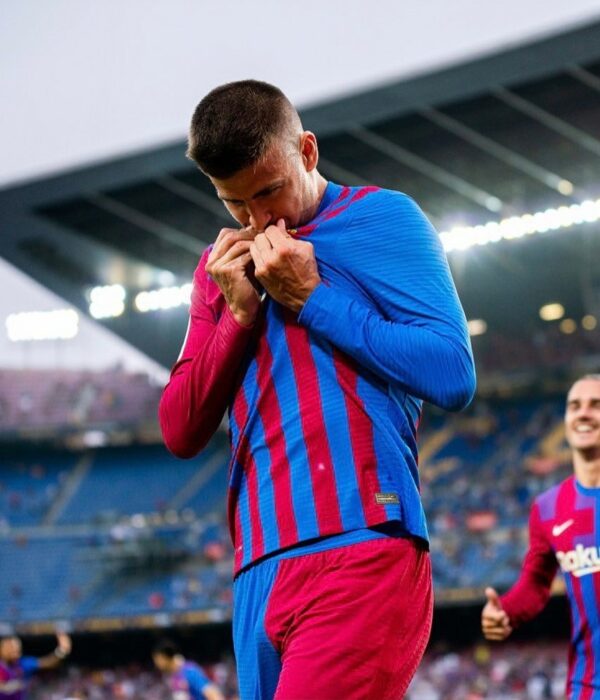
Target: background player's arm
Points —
{"points": [[62, 650], [202, 381], [414, 334], [202, 686], [211, 692], [528, 597]]}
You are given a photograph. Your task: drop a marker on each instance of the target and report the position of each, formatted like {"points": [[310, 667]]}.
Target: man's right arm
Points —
{"points": [[203, 378], [528, 597]]}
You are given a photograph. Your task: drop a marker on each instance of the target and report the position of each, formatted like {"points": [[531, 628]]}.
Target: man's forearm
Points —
{"points": [[201, 387], [527, 598], [426, 364]]}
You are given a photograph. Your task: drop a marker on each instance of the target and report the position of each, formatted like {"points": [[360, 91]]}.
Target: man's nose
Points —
{"points": [[260, 218]]}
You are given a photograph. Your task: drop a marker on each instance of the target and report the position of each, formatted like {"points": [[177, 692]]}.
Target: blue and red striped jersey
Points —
{"points": [[14, 677], [564, 532], [324, 405]]}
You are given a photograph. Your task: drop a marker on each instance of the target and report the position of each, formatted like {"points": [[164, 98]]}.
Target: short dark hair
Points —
{"points": [[166, 647], [233, 126]]}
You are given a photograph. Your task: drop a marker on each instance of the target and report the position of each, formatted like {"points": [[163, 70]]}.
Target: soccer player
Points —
{"points": [[16, 669], [186, 679], [321, 322], [564, 531]]}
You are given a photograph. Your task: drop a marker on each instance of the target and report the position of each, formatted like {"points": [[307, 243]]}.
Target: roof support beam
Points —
{"points": [[506, 155], [559, 126], [431, 170]]}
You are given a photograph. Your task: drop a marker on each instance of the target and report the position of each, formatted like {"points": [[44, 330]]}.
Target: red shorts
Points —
{"points": [[349, 623]]}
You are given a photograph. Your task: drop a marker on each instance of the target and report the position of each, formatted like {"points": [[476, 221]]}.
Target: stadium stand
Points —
{"points": [[503, 672], [60, 399], [515, 671], [129, 531], [133, 682]]}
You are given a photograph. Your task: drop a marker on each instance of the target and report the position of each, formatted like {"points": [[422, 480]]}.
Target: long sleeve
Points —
{"points": [[203, 379], [531, 592], [409, 328]]}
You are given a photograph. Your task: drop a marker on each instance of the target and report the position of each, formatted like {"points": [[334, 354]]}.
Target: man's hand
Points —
{"points": [[231, 267], [495, 623], [285, 267]]}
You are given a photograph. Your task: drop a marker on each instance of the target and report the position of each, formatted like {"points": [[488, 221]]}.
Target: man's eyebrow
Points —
{"points": [[268, 188], [260, 193]]}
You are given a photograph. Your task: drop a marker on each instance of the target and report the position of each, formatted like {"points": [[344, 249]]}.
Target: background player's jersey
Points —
{"points": [[564, 532], [326, 402], [188, 682], [15, 676]]}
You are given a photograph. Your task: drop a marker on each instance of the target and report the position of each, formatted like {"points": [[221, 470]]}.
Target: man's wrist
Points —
{"points": [[244, 318], [60, 653]]}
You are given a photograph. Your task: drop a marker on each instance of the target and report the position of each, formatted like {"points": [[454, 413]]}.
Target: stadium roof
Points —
{"points": [[506, 135]]}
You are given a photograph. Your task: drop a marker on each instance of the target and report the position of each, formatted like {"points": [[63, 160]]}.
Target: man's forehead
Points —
{"points": [[253, 179], [584, 388]]}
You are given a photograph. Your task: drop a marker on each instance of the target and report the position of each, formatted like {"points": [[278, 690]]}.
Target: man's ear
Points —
{"points": [[309, 150]]}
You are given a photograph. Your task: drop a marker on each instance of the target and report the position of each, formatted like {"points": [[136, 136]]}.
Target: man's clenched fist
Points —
{"points": [[231, 267], [285, 267]]}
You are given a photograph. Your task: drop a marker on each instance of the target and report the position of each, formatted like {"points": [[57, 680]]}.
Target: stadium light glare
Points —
{"points": [[107, 301], [552, 312], [565, 187], [163, 298], [60, 324], [589, 322], [464, 237], [477, 326], [568, 326]]}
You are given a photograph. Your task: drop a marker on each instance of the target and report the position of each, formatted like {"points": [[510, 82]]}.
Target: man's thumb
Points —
{"points": [[493, 598]]}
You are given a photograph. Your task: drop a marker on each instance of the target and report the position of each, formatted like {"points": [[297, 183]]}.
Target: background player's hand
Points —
{"points": [[64, 643], [231, 267], [495, 623], [285, 267]]}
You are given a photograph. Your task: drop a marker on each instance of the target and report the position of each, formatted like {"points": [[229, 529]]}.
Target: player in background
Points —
{"points": [[564, 531], [321, 322], [16, 669], [186, 679]]}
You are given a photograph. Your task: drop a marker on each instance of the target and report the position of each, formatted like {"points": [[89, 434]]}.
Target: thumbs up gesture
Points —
{"points": [[495, 623]]}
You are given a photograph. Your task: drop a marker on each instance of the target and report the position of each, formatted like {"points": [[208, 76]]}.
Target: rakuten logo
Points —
{"points": [[580, 561]]}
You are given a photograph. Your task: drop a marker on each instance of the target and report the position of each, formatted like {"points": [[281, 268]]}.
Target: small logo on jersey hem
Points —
{"points": [[385, 499], [559, 529]]}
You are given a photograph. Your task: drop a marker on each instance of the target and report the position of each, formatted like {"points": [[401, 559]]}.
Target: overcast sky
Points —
{"points": [[87, 80]]}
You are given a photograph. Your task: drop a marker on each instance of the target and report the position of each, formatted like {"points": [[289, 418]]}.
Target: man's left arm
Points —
{"points": [[411, 331]]}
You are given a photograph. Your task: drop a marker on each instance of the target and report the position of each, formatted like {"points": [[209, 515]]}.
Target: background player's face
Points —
{"points": [[278, 186], [10, 649], [162, 662], [582, 415]]}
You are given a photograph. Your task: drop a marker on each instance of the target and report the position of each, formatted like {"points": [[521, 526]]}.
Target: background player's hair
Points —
{"points": [[595, 376], [166, 647], [233, 126]]}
